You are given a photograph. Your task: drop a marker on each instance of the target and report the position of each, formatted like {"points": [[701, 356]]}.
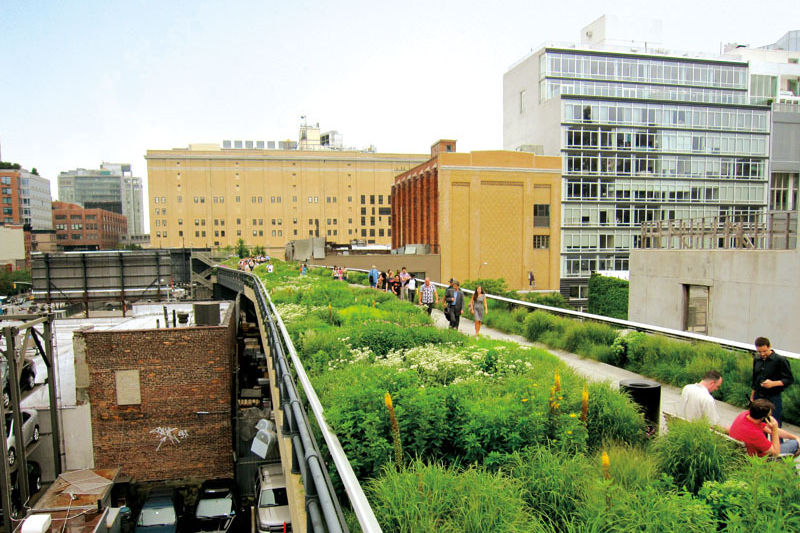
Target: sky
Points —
{"points": [[87, 82]]}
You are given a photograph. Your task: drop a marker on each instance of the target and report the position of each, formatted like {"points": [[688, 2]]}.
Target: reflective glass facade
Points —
{"points": [[649, 138]]}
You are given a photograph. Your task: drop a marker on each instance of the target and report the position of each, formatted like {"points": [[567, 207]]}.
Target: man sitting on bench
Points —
{"points": [[753, 426]]}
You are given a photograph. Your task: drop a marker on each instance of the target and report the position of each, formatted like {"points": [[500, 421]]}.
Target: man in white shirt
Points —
{"points": [[697, 402]]}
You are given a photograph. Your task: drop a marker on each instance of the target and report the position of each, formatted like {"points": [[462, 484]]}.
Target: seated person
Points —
{"points": [[753, 426], [697, 402]]}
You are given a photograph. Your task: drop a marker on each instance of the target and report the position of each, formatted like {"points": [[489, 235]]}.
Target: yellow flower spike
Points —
{"points": [[585, 403], [524, 399], [606, 462], [557, 381], [387, 399]]}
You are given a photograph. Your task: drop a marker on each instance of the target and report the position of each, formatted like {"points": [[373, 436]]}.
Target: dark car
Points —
{"points": [[34, 486], [218, 506], [27, 379], [160, 512]]}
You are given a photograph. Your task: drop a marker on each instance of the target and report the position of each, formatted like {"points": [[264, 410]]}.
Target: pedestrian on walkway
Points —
{"points": [[412, 288], [428, 295], [697, 402], [373, 277], [478, 307], [404, 276], [531, 281], [455, 304], [771, 375]]}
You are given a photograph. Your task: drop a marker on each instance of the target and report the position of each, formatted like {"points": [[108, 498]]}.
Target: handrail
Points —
{"points": [[324, 511], [628, 324]]}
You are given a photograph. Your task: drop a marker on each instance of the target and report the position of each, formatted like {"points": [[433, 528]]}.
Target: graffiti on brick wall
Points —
{"points": [[167, 434]]}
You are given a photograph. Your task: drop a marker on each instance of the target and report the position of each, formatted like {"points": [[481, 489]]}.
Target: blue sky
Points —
{"points": [[86, 82]]}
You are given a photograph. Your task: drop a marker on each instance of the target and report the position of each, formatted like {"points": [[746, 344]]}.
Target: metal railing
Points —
{"points": [[617, 322], [322, 506], [774, 230]]}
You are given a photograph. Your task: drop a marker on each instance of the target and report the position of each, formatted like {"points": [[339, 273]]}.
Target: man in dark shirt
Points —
{"points": [[771, 374]]}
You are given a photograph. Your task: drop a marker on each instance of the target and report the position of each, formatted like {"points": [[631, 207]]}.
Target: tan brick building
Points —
{"points": [[209, 196], [490, 214]]}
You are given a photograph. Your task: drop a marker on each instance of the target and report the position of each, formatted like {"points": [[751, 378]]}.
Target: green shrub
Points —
{"points": [[692, 454], [431, 497], [550, 299], [632, 467], [538, 323], [653, 509], [608, 296], [612, 417], [760, 496], [556, 484]]}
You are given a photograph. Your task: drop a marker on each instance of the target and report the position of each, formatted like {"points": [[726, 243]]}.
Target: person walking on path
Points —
{"points": [[455, 304], [697, 402], [771, 375], [478, 307], [753, 426], [404, 277], [531, 280], [373, 277], [412, 288], [428, 295]]}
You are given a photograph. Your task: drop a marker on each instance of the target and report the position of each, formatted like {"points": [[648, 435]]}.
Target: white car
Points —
{"points": [[272, 504], [30, 432]]}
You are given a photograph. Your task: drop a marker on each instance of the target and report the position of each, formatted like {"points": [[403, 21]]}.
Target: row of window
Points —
{"points": [[551, 88], [589, 215], [275, 221], [583, 266], [643, 70], [279, 233], [666, 141], [665, 115], [678, 166], [273, 199], [582, 189]]}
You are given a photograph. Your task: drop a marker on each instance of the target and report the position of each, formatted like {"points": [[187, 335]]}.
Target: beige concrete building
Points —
{"points": [[207, 196], [12, 247], [489, 214]]}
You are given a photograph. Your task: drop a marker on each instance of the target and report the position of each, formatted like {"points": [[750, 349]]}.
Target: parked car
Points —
{"points": [[34, 486], [160, 512], [272, 503], [30, 432], [27, 379], [218, 506]]}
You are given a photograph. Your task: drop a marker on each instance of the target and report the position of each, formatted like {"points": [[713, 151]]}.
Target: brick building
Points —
{"points": [[489, 214], [87, 229], [25, 197], [160, 399]]}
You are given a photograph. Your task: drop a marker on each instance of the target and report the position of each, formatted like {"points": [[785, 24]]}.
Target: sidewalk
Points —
{"points": [[597, 371]]}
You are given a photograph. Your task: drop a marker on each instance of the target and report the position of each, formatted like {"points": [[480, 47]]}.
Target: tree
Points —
{"points": [[608, 296], [241, 249], [34, 171], [259, 250], [7, 280]]}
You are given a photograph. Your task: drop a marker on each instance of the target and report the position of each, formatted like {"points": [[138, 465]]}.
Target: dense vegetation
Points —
{"points": [[608, 296], [451, 433], [7, 280]]}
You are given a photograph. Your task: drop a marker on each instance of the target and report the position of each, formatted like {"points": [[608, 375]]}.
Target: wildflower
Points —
{"points": [[557, 381], [606, 462], [573, 415], [585, 403], [398, 447], [524, 399]]}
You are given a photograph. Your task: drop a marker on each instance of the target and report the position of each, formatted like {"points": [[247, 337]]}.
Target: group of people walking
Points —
{"points": [[404, 285]]}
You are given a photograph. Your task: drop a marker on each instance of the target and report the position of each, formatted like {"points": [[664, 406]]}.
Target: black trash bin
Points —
{"points": [[647, 395]]}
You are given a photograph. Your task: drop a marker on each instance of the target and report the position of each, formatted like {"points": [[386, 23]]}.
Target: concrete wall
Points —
{"points": [[181, 426], [12, 246], [751, 292]]}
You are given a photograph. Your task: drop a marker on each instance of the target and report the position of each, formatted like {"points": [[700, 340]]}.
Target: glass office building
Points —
{"points": [[643, 137]]}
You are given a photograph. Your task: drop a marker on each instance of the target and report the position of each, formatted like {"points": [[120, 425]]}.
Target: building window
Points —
{"points": [[696, 310], [541, 241], [522, 106], [541, 216]]}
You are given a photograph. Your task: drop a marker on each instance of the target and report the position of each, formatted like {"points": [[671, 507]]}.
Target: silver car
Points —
{"points": [[272, 504], [30, 432]]}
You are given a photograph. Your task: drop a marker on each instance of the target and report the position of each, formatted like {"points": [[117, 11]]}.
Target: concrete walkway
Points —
{"points": [[597, 371]]}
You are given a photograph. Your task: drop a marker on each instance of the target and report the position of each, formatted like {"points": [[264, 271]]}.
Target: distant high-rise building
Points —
{"points": [[25, 198], [645, 134], [87, 229], [113, 187]]}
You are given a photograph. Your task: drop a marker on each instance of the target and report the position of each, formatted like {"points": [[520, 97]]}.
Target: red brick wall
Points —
{"points": [[181, 372]]}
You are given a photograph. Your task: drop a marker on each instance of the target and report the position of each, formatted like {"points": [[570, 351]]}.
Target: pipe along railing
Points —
{"points": [[323, 508], [627, 324]]}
